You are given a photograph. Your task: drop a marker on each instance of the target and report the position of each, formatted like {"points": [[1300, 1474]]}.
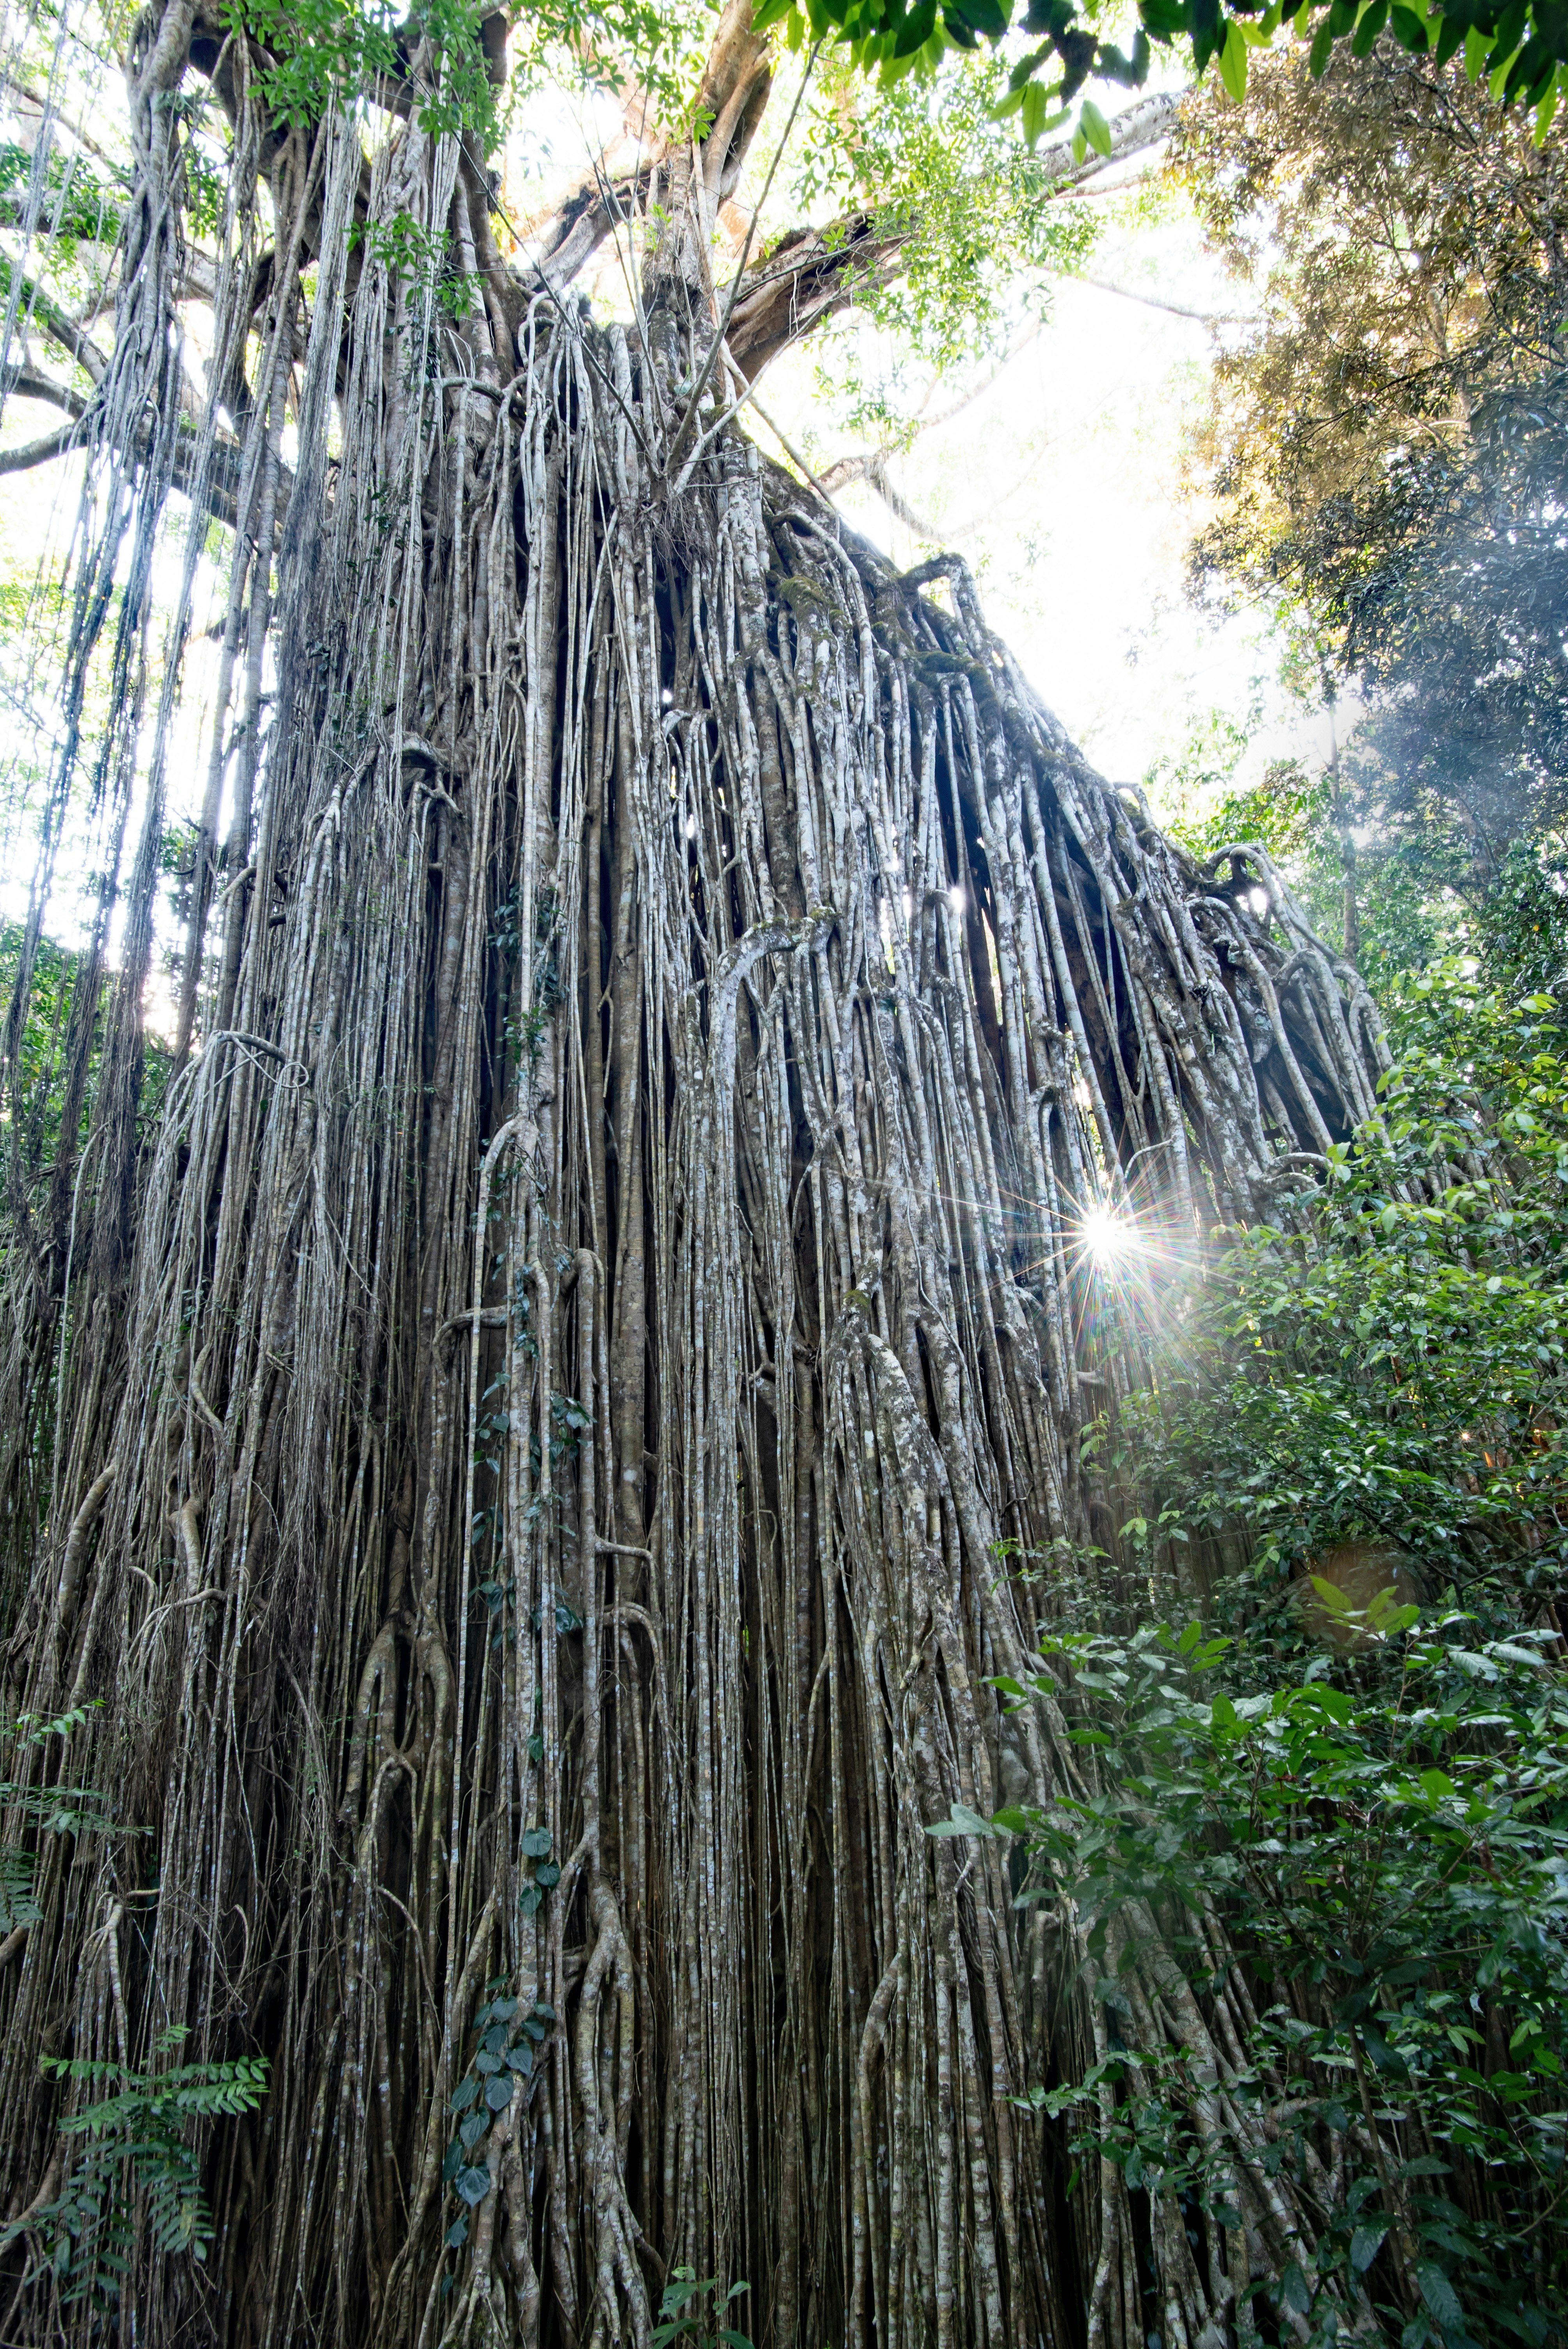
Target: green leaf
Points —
{"points": [[499, 2092], [1440, 2298], [547, 1874], [986, 17], [536, 1843], [1234, 63], [916, 30], [1034, 109], [1322, 49], [1094, 127], [1365, 2245], [962, 1820], [1547, 108], [471, 2186]]}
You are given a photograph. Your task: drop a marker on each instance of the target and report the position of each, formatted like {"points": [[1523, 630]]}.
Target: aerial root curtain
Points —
{"points": [[539, 1402]]}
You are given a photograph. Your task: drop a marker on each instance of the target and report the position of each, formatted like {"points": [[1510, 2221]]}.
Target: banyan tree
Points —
{"points": [[518, 1425]]}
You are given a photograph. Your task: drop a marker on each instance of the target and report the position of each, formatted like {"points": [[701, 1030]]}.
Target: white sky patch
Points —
{"points": [[1062, 485]]}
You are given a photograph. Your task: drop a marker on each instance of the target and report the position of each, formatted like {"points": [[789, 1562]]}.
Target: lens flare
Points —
{"points": [[1109, 1237]]}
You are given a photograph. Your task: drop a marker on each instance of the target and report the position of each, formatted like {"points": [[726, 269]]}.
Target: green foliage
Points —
{"points": [[332, 52], [1054, 48], [683, 2317], [1216, 796], [32, 1128], [136, 2159], [1387, 449], [40, 1810], [79, 205], [1391, 1860], [1390, 1368], [325, 52], [1353, 1821], [924, 159], [134, 2166], [1522, 924], [508, 2042], [422, 258]]}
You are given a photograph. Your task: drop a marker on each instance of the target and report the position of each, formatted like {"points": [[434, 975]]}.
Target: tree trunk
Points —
{"points": [[601, 1297]]}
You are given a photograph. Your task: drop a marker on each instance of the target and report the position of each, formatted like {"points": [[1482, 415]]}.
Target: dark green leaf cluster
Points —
{"points": [[1523, 44], [1391, 1862], [39, 1808], [81, 206], [924, 163], [422, 259], [507, 2044], [136, 2159], [1394, 1368], [689, 2311], [1347, 1824], [1388, 446], [332, 52]]}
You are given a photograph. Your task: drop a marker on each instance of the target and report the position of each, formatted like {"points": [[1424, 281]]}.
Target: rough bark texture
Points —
{"points": [[542, 1390]]}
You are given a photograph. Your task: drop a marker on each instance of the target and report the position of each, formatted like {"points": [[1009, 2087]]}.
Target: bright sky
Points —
{"points": [[1062, 484]]}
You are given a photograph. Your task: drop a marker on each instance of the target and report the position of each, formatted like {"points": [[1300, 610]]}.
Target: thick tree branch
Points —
{"points": [[39, 452], [813, 274], [59, 324], [29, 383]]}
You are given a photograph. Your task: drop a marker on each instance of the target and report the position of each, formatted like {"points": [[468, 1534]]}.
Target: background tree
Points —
{"points": [[1387, 448]]}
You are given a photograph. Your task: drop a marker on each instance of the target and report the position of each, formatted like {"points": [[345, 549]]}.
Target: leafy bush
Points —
{"points": [[689, 2313], [1391, 1861], [1390, 1367], [136, 2162]]}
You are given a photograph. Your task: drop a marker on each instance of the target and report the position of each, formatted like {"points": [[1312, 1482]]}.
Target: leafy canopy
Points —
{"points": [[1523, 44], [1387, 448]]}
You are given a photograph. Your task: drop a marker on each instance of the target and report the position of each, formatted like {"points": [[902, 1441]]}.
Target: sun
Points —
{"points": [[1109, 1237]]}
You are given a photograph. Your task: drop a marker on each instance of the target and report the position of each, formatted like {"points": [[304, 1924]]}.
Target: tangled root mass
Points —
{"points": [[515, 1445]]}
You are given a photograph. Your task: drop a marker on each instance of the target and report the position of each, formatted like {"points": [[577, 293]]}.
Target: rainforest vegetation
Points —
{"points": [[781, 1511]]}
